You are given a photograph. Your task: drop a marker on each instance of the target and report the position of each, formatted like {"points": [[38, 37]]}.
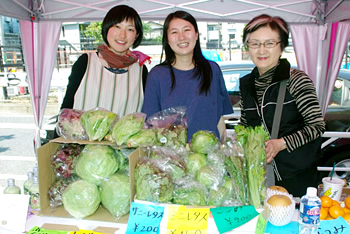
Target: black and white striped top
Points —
{"points": [[303, 91]]}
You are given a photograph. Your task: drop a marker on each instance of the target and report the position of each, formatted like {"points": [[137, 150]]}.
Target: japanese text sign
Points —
{"points": [[144, 218], [187, 220], [228, 218]]}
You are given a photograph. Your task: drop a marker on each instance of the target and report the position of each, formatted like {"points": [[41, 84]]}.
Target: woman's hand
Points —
{"points": [[272, 147]]}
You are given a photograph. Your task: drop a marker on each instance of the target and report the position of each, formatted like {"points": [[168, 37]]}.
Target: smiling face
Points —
{"points": [[182, 37], [121, 36], [265, 58]]}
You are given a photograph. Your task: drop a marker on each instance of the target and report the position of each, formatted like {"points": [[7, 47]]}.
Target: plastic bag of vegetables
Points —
{"points": [[69, 124], [115, 194], [187, 191], [96, 163], [81, 199], [97, 123], [126, 127], [204, 142], [151, 183], [144, 138]]}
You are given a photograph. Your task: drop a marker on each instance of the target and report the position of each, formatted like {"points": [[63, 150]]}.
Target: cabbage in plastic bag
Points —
{"points": [[96, 163], [97, 123], [115, 194], [204, 142], [127, 126], [81, 199], [144, 138], [187, 191]]}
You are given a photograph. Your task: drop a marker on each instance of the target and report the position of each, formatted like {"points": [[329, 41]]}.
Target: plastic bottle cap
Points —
{"points": [[311, 192]]}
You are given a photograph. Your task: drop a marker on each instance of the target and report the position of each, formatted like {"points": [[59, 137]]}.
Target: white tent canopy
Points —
{"points": [[320, 31]]}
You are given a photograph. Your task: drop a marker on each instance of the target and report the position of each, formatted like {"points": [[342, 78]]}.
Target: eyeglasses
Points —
{"points": [[267, 44]]}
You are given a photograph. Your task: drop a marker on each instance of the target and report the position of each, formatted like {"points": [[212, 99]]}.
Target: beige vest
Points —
{"points": [[119, 93]]}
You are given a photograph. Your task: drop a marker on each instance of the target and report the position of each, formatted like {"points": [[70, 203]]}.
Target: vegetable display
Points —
{"points": [[204, 142]]}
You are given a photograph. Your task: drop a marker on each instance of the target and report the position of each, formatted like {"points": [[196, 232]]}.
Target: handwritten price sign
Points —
{"points": [[144, 218], [335, 226], [184, 220], [228, 218]]}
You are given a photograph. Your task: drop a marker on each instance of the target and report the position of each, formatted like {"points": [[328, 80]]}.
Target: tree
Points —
{"points": [[94, 30]]}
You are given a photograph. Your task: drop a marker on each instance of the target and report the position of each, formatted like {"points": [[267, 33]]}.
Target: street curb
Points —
{"points": [[27, 109]]}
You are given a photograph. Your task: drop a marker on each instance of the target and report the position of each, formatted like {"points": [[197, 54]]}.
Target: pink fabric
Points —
{"points": [[305, 46], [338, 41], [142, 57], [40, 41]]}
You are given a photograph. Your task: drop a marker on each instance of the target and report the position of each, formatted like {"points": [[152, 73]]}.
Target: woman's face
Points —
{"points": [[265, 58], [182, 37], [122, 36]]}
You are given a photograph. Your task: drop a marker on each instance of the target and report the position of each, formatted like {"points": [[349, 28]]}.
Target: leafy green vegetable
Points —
{"points": [[97, 123], [96, 163], [115, 194], [189, 192], [144, 138], [196, 161], [209, 176], [204, 142], [253, 142], [81, 198], [127, 126], [217, 197], [234, 166], [152, 184]]}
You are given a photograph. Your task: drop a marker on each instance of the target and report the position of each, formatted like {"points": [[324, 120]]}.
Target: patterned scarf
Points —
{"points": [[114, 60]]}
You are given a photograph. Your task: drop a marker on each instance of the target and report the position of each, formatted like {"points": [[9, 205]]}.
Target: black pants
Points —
{"points": [[298, 184]]}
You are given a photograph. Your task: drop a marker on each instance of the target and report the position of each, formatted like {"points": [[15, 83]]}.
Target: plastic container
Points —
{"points": [[12, 188], [310, 206], [34, 195], [28, 183]]}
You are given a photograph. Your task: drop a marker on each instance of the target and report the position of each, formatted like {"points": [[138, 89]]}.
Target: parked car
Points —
{"points": [[337, 116]]}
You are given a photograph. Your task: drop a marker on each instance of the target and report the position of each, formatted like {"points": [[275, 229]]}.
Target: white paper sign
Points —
{"points": [[13, 211]]}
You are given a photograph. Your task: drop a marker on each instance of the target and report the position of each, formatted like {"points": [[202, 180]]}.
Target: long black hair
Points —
{"points": [[202, 66], [118, 14]]}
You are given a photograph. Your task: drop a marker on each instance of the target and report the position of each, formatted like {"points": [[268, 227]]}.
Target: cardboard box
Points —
{"points": [[47, 178]]}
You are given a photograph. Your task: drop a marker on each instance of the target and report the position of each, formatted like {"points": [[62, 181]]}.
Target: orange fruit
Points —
{"points": [[323, 213], [347, 202], [335, 203], [329, 217], [347, 218], [326, 201], [346, 210], [336, 211]]}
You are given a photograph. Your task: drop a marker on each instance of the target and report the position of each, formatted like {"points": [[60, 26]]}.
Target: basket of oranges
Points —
{"points": [[332, 209]]}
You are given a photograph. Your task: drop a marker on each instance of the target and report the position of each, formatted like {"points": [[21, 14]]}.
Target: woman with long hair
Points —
{"points": [[187, 78]]}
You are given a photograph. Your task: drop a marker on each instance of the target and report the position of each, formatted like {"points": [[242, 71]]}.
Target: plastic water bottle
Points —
{"points": [[310, 206], [28, 183], [12, 188]]}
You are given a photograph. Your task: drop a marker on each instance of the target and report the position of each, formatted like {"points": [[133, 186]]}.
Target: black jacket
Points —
{"points": [[288, 163]]}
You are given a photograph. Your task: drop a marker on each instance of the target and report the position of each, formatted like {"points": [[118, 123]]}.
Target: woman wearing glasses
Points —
{"points": [[295, 144]]}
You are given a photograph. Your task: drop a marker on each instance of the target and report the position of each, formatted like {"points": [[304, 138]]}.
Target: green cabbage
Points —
{"points": [[96, 163], [81, 198], [146, 137], [209, 176], [97, 123], [189, 192], [195, 161], [115, 194], [217, 197], [127, 126], [204, 142]]}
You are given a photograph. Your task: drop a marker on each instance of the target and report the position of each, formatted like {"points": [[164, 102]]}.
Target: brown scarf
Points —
{"points": [[114, 60]]}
